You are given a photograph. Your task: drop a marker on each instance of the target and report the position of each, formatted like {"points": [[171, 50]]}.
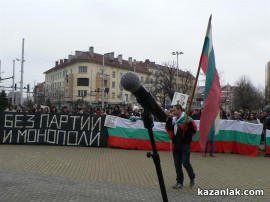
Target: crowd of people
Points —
{"points": [[123, 112], [131, 113], [135, 113], [262, 117]]}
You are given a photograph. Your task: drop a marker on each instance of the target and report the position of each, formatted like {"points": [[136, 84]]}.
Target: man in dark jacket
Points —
{"points": [[181, 129]]}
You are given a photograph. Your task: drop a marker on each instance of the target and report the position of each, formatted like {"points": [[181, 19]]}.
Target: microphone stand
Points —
{"points": [[149, 124]]}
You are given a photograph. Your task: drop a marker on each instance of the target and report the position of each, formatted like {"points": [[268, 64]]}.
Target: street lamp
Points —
{"points": [[177, 54], [103, 87]]}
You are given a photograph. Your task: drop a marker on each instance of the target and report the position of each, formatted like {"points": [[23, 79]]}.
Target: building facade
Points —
{"points": [[88, 78]]}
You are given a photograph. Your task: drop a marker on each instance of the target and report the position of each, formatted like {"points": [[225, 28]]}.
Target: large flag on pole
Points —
{"points": [[212, 93]]}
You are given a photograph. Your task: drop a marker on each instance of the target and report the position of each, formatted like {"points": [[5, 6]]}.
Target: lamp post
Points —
{"points": [[22, 61], [103, 87], [0, 72], [1, 78], [177, 54], [13, 78]]}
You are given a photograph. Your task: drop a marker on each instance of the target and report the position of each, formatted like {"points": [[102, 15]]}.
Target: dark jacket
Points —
{"points": [[181, 137]]}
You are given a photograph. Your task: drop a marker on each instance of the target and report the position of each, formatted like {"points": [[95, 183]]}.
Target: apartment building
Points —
{"points": [[82, 78]]}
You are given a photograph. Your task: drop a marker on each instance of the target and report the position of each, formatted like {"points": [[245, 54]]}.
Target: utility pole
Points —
{"points": [[0, 72], [103, 85], [13, 78], [102, 98], [21, 87]]}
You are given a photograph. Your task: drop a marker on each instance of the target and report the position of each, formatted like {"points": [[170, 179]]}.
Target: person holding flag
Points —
{"points": [[181, 129]]}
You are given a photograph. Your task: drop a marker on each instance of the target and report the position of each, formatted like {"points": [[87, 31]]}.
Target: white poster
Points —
{"points": [[181, 99], [110, 121]]}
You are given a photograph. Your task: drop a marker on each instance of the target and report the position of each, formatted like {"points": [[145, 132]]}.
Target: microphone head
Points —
{"points": [[130, 82]]}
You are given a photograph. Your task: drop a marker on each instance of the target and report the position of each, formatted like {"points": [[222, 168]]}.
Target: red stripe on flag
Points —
{"points": [[211, 106], [228, 147], [267, 149], [130, 143], [204, 62]]}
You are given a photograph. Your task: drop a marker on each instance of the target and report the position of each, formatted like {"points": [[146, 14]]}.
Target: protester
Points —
{"points": [[46, 110], [123, 114], [136, 113], [109, 111], [252, 118], [211, 141], [18, 109], [236, 116], [53, 109], [65, 110], [27, 109], [196, 114], [98, 112], [263, 120], [116, 111], [10, 109], [103, 111], [181, 130], [34, 110], [222, 114]]}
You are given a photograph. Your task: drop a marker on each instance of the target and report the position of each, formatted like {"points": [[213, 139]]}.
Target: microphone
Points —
{"points": [[131, 82]]}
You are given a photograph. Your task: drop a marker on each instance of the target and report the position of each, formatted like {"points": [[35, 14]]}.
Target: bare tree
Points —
{"points": [[246, 96], [163, 82], [186, 82]]}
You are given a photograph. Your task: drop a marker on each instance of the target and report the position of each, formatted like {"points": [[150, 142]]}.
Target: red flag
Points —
{"points": [[212, 92]]}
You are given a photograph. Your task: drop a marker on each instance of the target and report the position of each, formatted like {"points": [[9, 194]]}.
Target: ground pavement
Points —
{"points": [[62, 173]]}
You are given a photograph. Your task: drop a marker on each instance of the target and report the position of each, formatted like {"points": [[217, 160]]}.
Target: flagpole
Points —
{"points": [[198, 71]]}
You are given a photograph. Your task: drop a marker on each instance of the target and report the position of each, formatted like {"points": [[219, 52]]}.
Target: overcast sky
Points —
{"points": [[141, 29]]}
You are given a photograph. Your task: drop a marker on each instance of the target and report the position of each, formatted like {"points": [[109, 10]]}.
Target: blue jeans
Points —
{"points": [[211, 146], [181, 156]]}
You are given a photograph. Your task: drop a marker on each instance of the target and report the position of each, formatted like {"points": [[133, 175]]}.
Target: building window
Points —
{"points": [[113, 84], [82, 69], [120, 96], [82, 93], [121, 74], [126, 98], [82, 81], [105, 83], [113, 74], [113, 95]]}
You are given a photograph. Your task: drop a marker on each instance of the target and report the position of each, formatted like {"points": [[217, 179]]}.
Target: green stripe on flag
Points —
{"points": [[234, 136], [267, 137], [138, 134]]}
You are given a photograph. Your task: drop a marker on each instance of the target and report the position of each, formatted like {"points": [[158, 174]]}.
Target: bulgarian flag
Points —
{"points": [[267, 143], [132, 135], [181, 121], [212, 93]]}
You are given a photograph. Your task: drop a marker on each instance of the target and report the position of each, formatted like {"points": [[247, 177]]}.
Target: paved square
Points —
{"points": [[62, 173]]}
